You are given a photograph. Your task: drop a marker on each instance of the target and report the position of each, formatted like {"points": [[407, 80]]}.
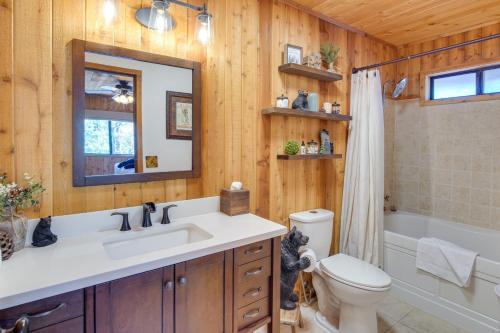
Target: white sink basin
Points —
{"points": [[134, 243]]}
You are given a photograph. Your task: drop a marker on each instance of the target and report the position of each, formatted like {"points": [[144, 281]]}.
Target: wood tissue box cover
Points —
{"points": [[235, 202]]}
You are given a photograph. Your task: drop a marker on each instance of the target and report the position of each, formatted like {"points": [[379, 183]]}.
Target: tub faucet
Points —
{"points": [[147, 209]]}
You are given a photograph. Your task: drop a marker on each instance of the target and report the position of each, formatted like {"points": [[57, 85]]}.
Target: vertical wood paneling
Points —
{"points": [[33, 93], [6, 89], [239, 78]]}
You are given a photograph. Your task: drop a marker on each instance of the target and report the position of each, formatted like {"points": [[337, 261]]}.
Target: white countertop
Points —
{"points": [[79, 261]]}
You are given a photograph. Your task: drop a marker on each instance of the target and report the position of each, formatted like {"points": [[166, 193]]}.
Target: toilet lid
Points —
{"points": [[355, 272]]}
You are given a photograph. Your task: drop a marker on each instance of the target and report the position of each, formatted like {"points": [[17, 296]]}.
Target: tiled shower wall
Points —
{"points": [[444, 160]]}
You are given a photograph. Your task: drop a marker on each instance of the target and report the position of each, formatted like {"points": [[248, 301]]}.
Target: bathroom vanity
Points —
{"points": [[222, 275]]}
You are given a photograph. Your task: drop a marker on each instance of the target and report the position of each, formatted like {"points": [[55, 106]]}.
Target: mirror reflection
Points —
{"points": [[138, 116]]}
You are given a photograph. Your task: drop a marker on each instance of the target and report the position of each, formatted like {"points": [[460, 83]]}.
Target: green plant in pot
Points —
{"points": [[292, 147], [329, 54], [14, 198]]}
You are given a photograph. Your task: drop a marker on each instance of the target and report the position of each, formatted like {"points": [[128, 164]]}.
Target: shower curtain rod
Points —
{"points": [[418, 55]]}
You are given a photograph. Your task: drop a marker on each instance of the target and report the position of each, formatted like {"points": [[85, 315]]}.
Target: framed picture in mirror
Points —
{"points": [[179, 115]]}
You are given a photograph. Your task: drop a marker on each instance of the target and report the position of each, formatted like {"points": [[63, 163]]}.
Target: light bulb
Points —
{"points": [[204, 27], [123, 99], [204, 34], [160, 20], [109, 11]]}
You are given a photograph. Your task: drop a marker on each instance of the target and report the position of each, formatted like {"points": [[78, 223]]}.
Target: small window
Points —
{"points": [[479, 81], [491, 81], [109, 137]]}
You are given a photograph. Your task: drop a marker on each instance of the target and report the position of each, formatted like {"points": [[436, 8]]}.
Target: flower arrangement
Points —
{"points": [[14, 197]]}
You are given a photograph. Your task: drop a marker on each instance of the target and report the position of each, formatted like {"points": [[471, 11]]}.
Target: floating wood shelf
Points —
{"points": [[310, 157], [307, 114], [310, 72]]}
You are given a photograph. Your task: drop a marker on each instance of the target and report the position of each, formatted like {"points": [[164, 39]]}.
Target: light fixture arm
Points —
{"points": [[188, 5]]}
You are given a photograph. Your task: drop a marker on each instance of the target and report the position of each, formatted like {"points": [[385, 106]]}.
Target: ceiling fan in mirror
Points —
{"points": [[124, 93]]}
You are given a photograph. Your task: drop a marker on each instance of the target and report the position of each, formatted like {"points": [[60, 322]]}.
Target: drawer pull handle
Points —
{"points": [[253, 292], [251, 314], [45, 313], [254, 250], [169, 285], [255, 271]]}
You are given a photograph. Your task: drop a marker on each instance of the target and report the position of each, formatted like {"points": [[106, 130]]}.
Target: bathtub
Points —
{"points": [[475, 308]]}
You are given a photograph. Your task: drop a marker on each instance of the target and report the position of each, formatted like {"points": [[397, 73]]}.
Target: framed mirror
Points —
{"points": [[136, 116]]}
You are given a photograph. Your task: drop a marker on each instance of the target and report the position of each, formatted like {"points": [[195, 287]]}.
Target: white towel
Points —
{"points": [[309, 253], [445, 260]]}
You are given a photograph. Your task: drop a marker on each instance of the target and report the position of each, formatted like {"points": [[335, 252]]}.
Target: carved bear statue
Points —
{"points": [[291, 265], [301, 101], [43, 236]]}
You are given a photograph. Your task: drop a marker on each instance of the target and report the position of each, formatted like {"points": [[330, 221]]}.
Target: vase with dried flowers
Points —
{"points": [[329, 54], [13, 199]]}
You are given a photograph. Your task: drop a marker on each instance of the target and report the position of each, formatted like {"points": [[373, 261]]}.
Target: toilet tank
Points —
{"points": [[317, 224]]}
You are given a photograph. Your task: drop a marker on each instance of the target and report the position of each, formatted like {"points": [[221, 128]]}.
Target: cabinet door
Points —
{"points": [[129, 305], [201, 285]]}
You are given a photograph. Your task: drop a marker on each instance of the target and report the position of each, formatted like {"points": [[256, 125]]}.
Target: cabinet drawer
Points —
{"points": [[252, 292], [253, 313], [45, 312], [252, 252], [70, 326], [250, 274]]}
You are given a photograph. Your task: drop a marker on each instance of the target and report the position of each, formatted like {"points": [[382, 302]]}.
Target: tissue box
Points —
{"points": [[235, 202]]}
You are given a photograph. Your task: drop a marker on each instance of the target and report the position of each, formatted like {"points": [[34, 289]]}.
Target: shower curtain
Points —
{"points": [[363, 201]]}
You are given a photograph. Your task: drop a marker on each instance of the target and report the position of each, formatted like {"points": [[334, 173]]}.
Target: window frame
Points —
{"points": [[110, 140], [479, 71]]}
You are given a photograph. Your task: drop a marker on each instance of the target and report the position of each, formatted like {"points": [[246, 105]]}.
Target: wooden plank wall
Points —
{"points": [[302, 185], [472, 54], [239, 78]]}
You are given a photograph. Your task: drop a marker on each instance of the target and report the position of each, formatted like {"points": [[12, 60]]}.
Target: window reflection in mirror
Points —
{"points": [[138, 116], [111, 126]]}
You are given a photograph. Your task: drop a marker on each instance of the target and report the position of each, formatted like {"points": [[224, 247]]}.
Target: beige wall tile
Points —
{"points": [[445, 160]]}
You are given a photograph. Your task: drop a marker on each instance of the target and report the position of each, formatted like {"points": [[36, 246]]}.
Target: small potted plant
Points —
{"points": [[329, 54], [13, 199], [292, 147]]}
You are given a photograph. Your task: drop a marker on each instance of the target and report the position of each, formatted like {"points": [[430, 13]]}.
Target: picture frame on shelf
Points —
{"points": [[293, 54]]}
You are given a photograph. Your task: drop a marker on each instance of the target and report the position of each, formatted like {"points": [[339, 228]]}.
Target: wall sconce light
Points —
{"points": [[109, 11], [158, 18]]}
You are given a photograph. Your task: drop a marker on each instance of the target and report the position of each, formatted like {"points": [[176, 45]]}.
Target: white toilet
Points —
{"points": [[347, 288]]}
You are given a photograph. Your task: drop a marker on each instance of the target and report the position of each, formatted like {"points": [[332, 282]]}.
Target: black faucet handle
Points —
{"points": [[125, 223], [166, 218], [150, 207]]}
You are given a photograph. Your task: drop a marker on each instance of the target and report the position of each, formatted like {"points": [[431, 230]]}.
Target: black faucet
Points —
{"points": [[147, 209], [166, 219], [125, 224]]}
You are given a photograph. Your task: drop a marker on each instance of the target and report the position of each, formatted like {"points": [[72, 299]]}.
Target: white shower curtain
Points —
{"points": [[363, 200]]}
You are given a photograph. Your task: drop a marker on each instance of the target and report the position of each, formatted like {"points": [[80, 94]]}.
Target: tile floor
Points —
{"points": [[393, 315]]}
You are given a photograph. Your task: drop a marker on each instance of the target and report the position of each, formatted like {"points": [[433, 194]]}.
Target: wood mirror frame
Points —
{"points": [[79, 47]]}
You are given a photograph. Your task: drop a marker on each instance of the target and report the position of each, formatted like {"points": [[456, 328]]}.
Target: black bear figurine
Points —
{"points": [[301, 101], [42, 236], [291, 265]]}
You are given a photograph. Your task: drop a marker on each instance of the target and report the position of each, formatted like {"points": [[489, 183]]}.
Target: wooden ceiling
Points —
{"points": [[405, 21]]}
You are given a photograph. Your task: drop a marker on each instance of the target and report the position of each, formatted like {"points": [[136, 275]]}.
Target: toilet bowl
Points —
{"points": [[347, 288]]}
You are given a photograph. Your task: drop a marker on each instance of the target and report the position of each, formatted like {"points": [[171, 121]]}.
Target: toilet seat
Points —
{"points": [[355, 272]]}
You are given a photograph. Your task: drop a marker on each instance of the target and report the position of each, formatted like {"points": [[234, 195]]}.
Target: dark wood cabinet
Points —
{"points": [[199, 295], [232, 292], [131, 304]]}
